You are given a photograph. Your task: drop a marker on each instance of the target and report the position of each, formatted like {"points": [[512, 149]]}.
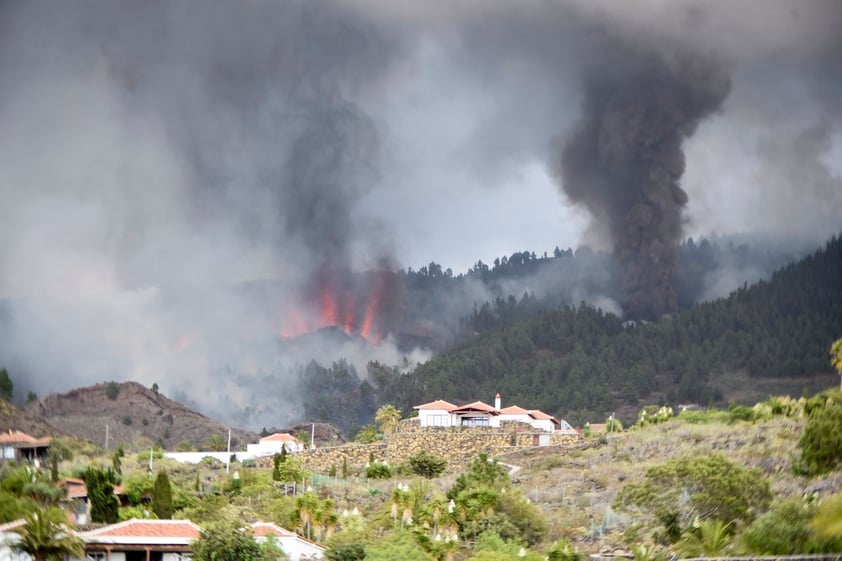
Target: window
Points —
{"points": [[474, 421], [437, 420], [95, 556]]}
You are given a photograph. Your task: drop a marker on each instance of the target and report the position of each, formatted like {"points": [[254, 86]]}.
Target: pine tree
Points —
{"points": [[162, 496], [6, 385]]}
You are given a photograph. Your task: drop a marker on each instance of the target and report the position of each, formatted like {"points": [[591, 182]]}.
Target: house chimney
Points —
{"points": [[497, 401]]}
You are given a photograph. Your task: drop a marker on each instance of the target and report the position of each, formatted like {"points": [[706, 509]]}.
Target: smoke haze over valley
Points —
{"points": [[209, 195]]}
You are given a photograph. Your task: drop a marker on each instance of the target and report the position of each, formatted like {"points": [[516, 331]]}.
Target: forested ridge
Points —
{"points": [[579, 360]]}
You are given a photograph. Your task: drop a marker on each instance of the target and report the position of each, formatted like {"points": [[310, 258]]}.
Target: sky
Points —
{"points": [[154, 154]]}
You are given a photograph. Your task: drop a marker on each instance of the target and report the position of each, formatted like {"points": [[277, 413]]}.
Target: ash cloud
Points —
{"points": [[625, 162], [179, 178]]}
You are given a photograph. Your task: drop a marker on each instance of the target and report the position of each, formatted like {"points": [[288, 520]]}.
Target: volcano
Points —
{"points": [[367, 305]]}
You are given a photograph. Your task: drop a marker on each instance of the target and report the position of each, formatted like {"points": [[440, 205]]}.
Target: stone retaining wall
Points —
{"points": [[460, 445]]}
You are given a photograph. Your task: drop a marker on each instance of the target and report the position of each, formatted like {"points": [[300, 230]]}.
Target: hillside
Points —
{"points": [[581, 362], [135, 411], [13, 417]]}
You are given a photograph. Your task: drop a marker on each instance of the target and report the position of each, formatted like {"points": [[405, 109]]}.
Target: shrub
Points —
{"points": [[378, 470], [127, 420], [112, 390], [427, 465], [738, 413], [821, 442]]}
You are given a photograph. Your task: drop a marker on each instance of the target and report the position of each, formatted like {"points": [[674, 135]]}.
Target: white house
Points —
{"points": [[476, 414], [141, 540], [272, 444], [436, 414], [441, 413], [294, 546], [267, 446]]}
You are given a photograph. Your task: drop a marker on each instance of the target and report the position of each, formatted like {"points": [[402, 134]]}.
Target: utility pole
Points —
{"points": [[313, 436], [228, 460], [106, 435]]}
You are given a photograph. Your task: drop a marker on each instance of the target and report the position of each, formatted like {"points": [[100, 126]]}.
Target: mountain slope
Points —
{"points": [[580, 362], [130, 410]]}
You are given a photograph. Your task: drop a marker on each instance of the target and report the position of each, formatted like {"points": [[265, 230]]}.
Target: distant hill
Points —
{"points": [[13, 417], [130, 410]]}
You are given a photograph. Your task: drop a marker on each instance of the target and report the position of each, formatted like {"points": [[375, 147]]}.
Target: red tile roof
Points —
{"points": [[137, 528], [476, 406], [270, 529], [17, 437], [438, 404], [541, 415], [278, 437], [514, 410]]}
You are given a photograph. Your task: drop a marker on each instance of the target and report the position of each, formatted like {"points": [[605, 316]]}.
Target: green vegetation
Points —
{"points": [[112, 390], [387, 417], [686, 490], [45, 536], [104, 505], [427, 465], [694, 483], [821, 443], [580, 363], [162, 504], [378, 470], [228, 541], [7, 388]]}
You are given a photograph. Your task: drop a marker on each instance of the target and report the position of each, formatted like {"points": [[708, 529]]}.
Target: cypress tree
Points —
{"points": [[104, 505], [162, 496]]}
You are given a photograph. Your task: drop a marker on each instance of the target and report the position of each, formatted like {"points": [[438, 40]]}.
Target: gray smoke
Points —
{"points": [[624, 162], [180, 179]]}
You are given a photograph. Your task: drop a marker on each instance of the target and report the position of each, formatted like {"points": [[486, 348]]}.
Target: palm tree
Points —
{"points": [[46, 537], [387, 417], [836, 358], [306, 505], [711, 539]]}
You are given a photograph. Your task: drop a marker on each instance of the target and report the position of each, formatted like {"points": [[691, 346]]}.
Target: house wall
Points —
{"points": [[435, 418], [6, 551]]}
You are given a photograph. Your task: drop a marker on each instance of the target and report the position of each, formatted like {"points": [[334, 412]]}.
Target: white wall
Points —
{"points": [[295, 548], [6, 551], [196, 457], [435, 418]]}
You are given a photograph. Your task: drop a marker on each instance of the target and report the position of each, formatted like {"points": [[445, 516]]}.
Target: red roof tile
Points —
{"points": [[137, 528], [438, 404], [17, 437], [541, 415], [514, 410], [278, 437], [476, 406], [270, 529]]}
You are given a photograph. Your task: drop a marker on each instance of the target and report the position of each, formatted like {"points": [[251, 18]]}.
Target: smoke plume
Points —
{"points": [[624, 162]]}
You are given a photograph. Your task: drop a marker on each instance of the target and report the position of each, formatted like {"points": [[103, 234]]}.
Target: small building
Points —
{"points": [[476, 414], [141, 540], [435, 414], [272, 444], [294, 546], [441, 413], [21, 447]]}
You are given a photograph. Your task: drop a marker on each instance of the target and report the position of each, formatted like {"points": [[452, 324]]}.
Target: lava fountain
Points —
{"points": [[366, 304]]}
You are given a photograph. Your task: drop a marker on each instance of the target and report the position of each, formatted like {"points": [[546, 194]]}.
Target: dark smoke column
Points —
{"points": [[624, 163]]}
